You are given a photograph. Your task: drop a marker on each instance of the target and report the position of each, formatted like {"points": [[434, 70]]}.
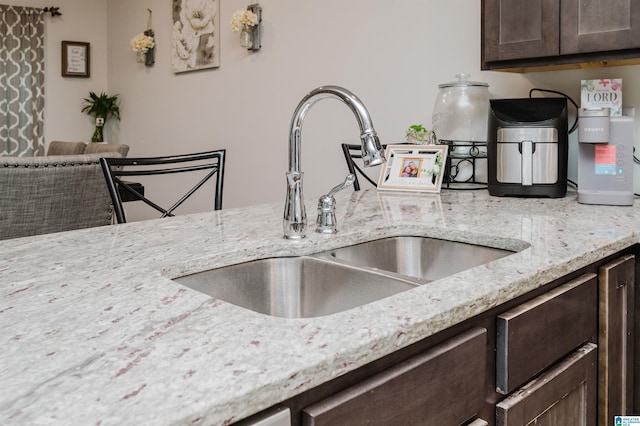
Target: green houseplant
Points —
{"points": [[419, 134], [101, 107]]}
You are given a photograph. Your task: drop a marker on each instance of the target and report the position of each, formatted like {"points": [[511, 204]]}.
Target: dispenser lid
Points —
{"points": [[463, 81]]}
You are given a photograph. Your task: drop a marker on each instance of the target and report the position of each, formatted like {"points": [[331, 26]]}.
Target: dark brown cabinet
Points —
{"points": [[442, 386], [519, 35], [565, 395], [531, 337], [598, 26], [513, 29], [615, 340], [536, 334], [545, 348], [562, 354]]}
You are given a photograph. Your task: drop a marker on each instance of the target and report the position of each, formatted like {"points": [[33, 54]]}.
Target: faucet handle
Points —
{"points": [[348, 181], [326, 221]]}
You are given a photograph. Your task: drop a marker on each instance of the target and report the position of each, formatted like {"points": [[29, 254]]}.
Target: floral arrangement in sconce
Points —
{"points": [[144, 45], [244, 20]]}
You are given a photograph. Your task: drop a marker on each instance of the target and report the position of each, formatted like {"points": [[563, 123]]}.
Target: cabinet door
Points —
{"points": [[565, 395], [516, 29], [615, 339], [599, 25], [443, 386]]}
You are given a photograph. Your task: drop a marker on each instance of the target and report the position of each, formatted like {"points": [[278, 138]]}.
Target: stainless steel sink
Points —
{"points": [[341, 279], [295, 287], [427, 259]]}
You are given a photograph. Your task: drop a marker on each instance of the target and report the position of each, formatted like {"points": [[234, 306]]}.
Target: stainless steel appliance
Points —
{"points": [[527, 147], [605, 157]]}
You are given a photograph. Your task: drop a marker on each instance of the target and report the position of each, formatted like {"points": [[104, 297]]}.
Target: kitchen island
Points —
{"points": [[95, 331]]}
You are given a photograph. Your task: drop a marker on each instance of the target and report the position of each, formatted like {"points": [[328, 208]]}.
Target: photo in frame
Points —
{"points": [[417, 168], [76, 59], [195, 35]]}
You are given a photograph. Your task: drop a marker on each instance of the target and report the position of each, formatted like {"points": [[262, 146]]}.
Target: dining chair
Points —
{"points": [[46, 194], [66, 148], [116, 168]]}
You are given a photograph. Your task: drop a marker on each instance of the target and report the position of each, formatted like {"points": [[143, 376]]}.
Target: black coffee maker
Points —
{"points": [[527, 147]]}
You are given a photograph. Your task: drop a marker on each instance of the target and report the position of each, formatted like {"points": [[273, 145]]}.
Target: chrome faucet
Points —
{"points": [[295, 217]]}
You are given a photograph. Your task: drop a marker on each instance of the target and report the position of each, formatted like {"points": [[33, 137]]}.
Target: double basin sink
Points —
{"points": [[340, 279]]}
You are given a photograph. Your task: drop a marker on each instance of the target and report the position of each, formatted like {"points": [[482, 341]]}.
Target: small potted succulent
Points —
{"points": [[418, 134], [101, 107]]}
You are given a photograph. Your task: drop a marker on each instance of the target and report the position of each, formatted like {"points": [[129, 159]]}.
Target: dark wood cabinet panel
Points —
{"points": [[443, 386], [558, 321], [565, 395], [535, 34], [599, 25], [514, 29], [615, 340]]}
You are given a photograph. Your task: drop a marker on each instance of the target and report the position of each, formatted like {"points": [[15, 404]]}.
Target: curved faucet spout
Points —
{"points": [[372, 153]]}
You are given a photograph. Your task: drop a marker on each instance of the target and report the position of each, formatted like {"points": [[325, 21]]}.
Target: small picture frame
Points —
{"points": [[416, 168], [76, 59]]}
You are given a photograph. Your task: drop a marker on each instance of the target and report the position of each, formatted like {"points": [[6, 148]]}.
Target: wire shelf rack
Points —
{"points": [[466, 166]]}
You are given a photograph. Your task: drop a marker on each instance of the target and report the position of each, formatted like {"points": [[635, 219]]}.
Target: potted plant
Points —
{"points": [[101, 107], [418, 134]]}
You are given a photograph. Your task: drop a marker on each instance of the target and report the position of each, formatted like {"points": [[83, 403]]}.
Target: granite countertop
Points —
{"points": [[94, 331]]}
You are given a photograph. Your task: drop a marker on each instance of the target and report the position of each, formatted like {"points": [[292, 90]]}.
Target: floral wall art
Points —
{"points": [[196, 35]]}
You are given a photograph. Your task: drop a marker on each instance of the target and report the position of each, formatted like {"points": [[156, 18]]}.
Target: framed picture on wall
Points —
{"points": [[195, 35], [76, 59], [418, 168]]}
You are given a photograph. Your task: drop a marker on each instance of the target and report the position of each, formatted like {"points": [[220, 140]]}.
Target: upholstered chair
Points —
{"points": [[66, 148], [93, 148], [56, 193]]}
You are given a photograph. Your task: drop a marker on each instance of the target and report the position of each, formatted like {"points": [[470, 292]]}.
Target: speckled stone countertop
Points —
{"points": [[94, 331]]}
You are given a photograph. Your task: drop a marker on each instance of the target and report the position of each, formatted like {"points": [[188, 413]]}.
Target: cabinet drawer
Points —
{"points": [[534, 335], [442, 386], [564, 395]]}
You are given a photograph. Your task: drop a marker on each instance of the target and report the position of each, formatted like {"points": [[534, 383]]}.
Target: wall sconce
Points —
{"points": [[144, 45], [249, 22]]}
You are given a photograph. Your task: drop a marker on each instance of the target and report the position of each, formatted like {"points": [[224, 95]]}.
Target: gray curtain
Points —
{"points": [[21, 81]]}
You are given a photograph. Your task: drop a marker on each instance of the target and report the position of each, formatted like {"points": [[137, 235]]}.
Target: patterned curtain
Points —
{"points": [[21, 81]]}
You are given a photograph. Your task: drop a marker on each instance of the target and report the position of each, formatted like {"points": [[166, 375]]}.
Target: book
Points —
{"points": [[603, 93]]}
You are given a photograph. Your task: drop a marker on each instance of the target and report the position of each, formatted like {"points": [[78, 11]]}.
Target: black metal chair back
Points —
{"points": [[116, 168]]}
